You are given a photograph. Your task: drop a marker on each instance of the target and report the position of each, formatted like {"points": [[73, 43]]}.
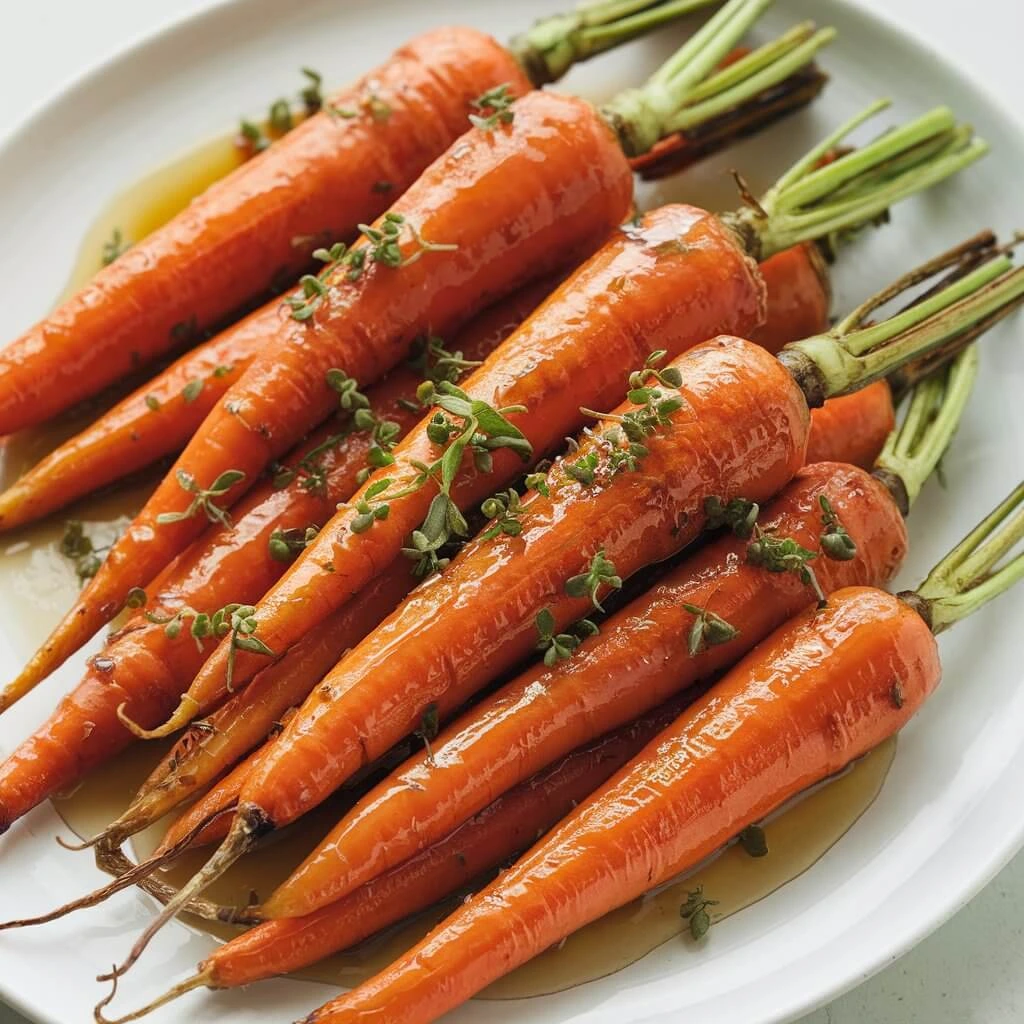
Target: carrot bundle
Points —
{"points": [[820, 692], [631, 502], [549, 166], [340, 168], [677, 277]]}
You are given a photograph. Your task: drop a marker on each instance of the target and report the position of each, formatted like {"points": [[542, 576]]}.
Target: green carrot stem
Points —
{"points": [[970, 576], [947, 319], [811, 201], [553, 45], [692, 89], [936, 406]]}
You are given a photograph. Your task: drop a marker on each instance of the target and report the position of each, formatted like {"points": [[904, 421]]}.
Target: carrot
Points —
{"points": [[144, 670], [499, 832], [862, 421], [820, 692], [677, 277], [522, 189], [225, 249], [799, 297], [645, 653]]}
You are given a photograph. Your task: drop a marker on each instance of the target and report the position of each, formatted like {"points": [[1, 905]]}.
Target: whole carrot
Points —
{"points": [[630, 493], [675, 278], [145, 669], [864, 419], [695, 622], [526, 186], [817, 694]]}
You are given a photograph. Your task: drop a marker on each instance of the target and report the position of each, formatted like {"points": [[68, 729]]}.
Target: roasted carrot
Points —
{"points": [[676, 277], [820, 692], [499, 832], [799, 297], [645, 653], [263, 220], [145, 670], [522, 189]]}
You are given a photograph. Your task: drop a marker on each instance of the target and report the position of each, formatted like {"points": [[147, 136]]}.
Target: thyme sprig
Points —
{"points": [[202, 497], [284, 545], [708, 630], [79, 548], [236, 620], [312, 94], [493, 108], [695, 911], [835, 541], [783, 554], [384, 434], [386, 242], [430, 725], [600, 573], [435, 363], [559, 646], [738, 514], [504, 508], [369, 513], [114, 247]]}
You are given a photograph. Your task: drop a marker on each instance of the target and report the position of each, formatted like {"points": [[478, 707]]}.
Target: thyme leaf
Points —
{"points": [[493, 108], [284, 545], [835, 541], [504, 508], [738, 514], [695, 911], [559, 646], [114, 247], [600, 573], [708, 630], [202, 497], [783, 554]]}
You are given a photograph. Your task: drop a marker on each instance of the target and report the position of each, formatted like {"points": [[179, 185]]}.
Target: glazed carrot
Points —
{"points": [[863, 420], [643, 655], [799, 297], [518, 193], [224, 250], [144, 669], [821, 691], [666, 283], [499, 832]]}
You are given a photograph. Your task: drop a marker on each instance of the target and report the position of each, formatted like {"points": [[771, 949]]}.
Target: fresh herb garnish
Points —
{"points": [[386, 242], [252, 136], [114, 247], [492, 108], [136, 598], [835, 541], [600, 573], [152, 403], [429, 727], [78, 547], [708, 630], [202, 497], [559, 646], [738, 514], [369, 514], [312, 95], [753, 841], [504, 508], [192, 390], [538, 482], [783, 554], [314, 292], [280, 117], [222, 371], [695, 911], [284, 545]]}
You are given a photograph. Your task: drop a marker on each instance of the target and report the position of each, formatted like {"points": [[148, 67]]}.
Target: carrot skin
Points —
{"points": [[859, 424], [639, 293], [229, 245], [799, 297], [639, 659], [801, 706], [517, 202], [500, 831], [477, 618], [146, 670]]}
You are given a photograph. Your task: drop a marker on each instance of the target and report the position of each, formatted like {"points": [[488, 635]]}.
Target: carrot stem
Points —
{"points": [[201, 979], [691, 88], [554, 44], [811, 201], [913, 450], [968, 577]]}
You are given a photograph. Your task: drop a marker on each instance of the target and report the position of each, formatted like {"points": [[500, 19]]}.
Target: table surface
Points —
{"points": [[969, 971]]}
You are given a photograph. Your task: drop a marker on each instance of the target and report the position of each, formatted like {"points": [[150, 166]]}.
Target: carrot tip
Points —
{"points": [[183, 714]]}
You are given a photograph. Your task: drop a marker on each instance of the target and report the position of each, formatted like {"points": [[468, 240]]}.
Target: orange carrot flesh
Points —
{"points": [[259, 223], [799, 297], [147, 671], [668, 283], [639, 659], [515, 202], [858, 423], [477, 618], [811, 698], [509, 825]]}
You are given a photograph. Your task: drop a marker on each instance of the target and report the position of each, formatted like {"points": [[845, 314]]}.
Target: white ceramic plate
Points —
{"points": [[949, 816]]}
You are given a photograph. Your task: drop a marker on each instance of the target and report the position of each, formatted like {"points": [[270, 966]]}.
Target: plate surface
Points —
{"points": [[949, 814]]}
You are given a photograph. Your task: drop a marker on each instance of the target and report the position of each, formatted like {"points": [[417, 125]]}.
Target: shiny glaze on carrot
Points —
{"points": [[860, 423], [743, 433], [818, 693], [258, 224], [517, 202], [148, 670], [670, 282], [799, 297], [510, 824], [639, 659]]}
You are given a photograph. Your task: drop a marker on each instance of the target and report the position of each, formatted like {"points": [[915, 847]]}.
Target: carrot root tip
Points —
{"points": [[186, 710]]}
